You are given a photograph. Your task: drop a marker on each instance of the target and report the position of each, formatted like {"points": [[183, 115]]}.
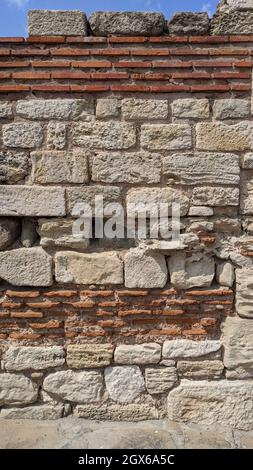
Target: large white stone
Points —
{"points": [[166, 136], [124, 384], [215, 196], [67, 109], [59, 167], [231, 108], [23, 134], [58, 232], [111, 135], [57, 23], [155, 196], [5, 109], [145, 270], [138, 109], [196, 270], [191, 108], [244, 292], [185, 348], [33, 357], [146, 353], [160, 380], [237, 339], [223, 137], [78, 387], [225, 274], [17, 390]]}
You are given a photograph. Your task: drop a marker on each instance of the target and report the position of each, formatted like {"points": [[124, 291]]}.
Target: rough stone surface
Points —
{"points": [[237, 339], [33, 412], [78, 387], [57, 23], [244, 292], [215, 196], [5, 109], [231, 108], [223, 137], [80, 356], [145, 270], [229, 404], [127, 23], [153, 196], [59, 167], [247, 161], [139, 167], [231, 5], [93, 268], [138, 109], [225, 275], [201, 370], [32, 201], [149, 353], [191, 108], [124, 384], [240, 22], [166, 136], [28, 232], [131, 412], [196, 270], [33, 357], [76, 109], [22, 134], [160, 380], [26, 267], [56, 136], [9, 230], [79, 194], [59, 233], [108, 107], [13, 166], [246, 193], [184, 348], [201, 211], [213, 168], [186, 23], [104, 135], [17, 390]]}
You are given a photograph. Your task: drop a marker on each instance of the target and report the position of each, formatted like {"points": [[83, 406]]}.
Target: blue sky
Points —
{"points": [[13, 19]]}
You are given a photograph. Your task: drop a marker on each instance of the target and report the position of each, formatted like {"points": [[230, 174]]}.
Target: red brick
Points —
{"points": [[46, 39], [130, 88], [104, 313], [25, 294], [82, 304], [214, 292], [151, 76], [125, 39], [14, 64], [89, 88], [218, 88], [168, 312], [97, 293], [51, 324], [125, 313], [85, 40], [4, 75], [229, 75], [186, 51], [169, 88], [182, 302], [241, 38], [208, 39], [192, 75], [99, 64], [25, 336], [111, 303], [50, 88], [4, 52], [61, 293], [132, 293], [208, 321], [43, 305], [51, 63], [167, 332], [110, 323], [31, 75], [150, 52], [13, 88], [228, 51], [132, 64], [69, 51], [110, 52], [171, 64], [10, 305], [213, 63], [29, 52], [243, 63], [169, 39], [240, 87], [4, 314], [110, 75], [28, 314], [194, 332], [71, 75], [10, 39]]}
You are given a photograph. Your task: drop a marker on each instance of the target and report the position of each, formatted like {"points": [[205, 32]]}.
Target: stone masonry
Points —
{"points": [[136, 109]]}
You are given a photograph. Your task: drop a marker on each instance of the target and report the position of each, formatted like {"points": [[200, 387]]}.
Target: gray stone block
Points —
{"points": [[57, 23], [127, 23], [184, 23]]}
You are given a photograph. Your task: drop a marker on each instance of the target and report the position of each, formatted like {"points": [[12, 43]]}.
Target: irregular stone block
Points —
{"points": [[139, 167], [138, 109], [26, 267], [33, 412], [202, 168], [80, 356], [17, 390], [145, 270], [225, 274], [149, 353], [237, 338], [200, 370], [78, 387], [247, 161], [246, 193], [124, 384], [32, 201], [108, 107], [33, 357], [196, 270], [77, 194], [110, 135], [9, 231], [155, 196], [187, 23], [223, 137], [62, 109], [13, 166], [191, 108], [160, 380], [59, 167], [93, 268], [215, 196], [231, 108], [56, 136], [244, 292], [5, 110], [132, 412], [59, 233], [185, 348], [200, 211], [126, 23], [230, 5], [166, 136], [204, 402], [22, 134], [57, 23], [239, 22]]}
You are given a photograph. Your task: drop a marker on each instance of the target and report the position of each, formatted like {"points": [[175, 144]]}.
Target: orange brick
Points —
{"points": [[61, 293], [4, 75], [50, 88], [82, 304], [28, 314], [10, 305], [97, 293], [125, 313], [111, 323], [51, 324], [31, 75], [132, 293], [51, 63], [106, 313], [92, 64], [167, 332], [29, 52], [14, 64], [69, 51], [196, 331], [208, 321], [10, 39], [46, 39], [29, 294], [27, 336], [4, 314], [14, 88], [4, 52], [43, 305], [71, 75], [110, 52], [214, 292]]}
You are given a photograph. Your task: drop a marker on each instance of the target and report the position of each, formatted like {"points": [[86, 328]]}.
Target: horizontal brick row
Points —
{"points": [[148, 51]]}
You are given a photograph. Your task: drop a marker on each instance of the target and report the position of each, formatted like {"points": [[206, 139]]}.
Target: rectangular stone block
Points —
{"points": [[93, 268], [59, 233], [185, 348], [160, 380], [13, 166], [139, 167], [59, 167], [5, 109], [108, 107], [191, 270], [237, 339], [200, 370], [110, 135], [132, 412], [166, 136], [32, 357], [33, 201], [127, 23], [145, 270], [62, 109], [138, 109], [231, 108], [22, 134], [81, 356], [38, 412], [155, 196], [191, 108], [215, 196], [244, 292], [77, 194], [56, 136], [246, 193], [223, 137], [57, 23], [149, 353], [16, 389]]}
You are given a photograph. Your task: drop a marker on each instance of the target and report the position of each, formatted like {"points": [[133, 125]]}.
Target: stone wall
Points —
{"points": [[139, 110]]}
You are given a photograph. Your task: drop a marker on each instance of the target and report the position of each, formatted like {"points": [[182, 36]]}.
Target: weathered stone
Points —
{"points": [[186, 23], [77, 194], [78, 387], [13, 166], [237, 339], [191, 108], [110, 135], [22, 134], [231, 108], [201, 211], [57, 23], [59, 233], [32, 201], [131, 412], [223, 137], [225, 275], [80, 356], [228, 403], [59, 167], [184, 348], [202, 168], [33, 357], [200, 370], [126, 23], [28, 233], [56, 136], [124, 384], [246, 193], [227, 225], [196, 270], [66, 109], [160, 380], [155, 196], [9, 230], [247, 161], [5, 110], [166, 136], [230, 5], [215, 196], [17, 390], [26, 267], [145, 270], [139, 167], [108, 107], [33, 412], [149, 353], [92, 268], [138, 109], [238, 22], [244, 292]]}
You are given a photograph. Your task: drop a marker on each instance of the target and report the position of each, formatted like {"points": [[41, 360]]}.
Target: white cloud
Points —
{"points": [[154, 5], [208, 8], [17, 3]]}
